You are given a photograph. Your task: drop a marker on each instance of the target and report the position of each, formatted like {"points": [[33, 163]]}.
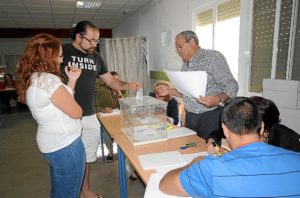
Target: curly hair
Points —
{"points": [[40, 55]]}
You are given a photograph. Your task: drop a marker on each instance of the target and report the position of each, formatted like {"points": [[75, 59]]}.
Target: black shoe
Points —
{"points": [[109, 158], [131, 177]]}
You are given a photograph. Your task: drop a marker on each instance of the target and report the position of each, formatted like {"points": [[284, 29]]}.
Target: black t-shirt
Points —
{"points": [[92, 65]]}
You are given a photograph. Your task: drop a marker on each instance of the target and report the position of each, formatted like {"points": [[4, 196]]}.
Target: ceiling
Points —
{"points": [[61, 14]]}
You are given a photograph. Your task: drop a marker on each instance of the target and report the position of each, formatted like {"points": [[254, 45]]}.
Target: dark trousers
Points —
{"points": [[204, 123]]}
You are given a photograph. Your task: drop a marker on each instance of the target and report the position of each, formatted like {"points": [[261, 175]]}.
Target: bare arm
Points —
{"points": [[212, 101], [73, 74], [65, 102], [163, 90], [117, 84], [170, 183], [63, 99]]}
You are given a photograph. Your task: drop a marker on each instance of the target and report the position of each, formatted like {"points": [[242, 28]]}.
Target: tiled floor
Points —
{"points": [[23, 172]]}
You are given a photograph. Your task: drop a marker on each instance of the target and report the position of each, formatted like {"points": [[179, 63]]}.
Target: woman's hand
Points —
{"points": [[210, 147], [72, 72]]}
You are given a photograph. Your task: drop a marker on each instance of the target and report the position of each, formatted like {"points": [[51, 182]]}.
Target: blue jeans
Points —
{"points": [[67, 167]]}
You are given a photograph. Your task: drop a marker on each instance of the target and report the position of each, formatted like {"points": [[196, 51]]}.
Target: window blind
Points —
{"points": [[262, 42], [205, 18], [228, 10], [296, 60], [286, 10]]}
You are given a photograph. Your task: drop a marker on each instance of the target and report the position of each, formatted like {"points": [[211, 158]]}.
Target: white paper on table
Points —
{"points": [[189, 83], [189, 157], [152, 188], [166, 161], [160, 160], [179, 132], [114, 112]]}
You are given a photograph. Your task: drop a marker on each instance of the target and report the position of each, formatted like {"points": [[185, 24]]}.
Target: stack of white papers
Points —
{"points": [[179, 132], [189, 83]]}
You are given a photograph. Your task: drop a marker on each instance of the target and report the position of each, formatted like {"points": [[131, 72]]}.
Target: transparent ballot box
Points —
{"points": [[143, 120]]}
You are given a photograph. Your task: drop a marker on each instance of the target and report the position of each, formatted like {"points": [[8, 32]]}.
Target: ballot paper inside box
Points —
{"points": [[143, 121]]}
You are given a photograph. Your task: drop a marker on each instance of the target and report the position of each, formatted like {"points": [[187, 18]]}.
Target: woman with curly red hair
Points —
{"points": [[57, 114]]}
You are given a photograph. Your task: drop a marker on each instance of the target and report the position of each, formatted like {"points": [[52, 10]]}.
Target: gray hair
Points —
{"points": [[188, 35]]}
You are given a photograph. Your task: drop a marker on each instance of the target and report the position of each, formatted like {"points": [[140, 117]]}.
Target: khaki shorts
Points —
{"points": [[90, 136]]}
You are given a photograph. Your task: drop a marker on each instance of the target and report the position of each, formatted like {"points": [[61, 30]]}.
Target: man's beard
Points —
{"points": [[90, 50]]}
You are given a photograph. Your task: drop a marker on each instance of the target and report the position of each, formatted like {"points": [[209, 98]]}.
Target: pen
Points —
{"points": [[216, 148], [226, 148], [189, 145]]}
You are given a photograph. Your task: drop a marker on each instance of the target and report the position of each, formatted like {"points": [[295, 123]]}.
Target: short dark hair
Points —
{"points": [[188, 35], [241, 116], [268, 111], [81, 28]]}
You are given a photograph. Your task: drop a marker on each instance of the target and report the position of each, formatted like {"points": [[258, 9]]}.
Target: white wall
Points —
{"points": [[174, 16], [154, 18]]}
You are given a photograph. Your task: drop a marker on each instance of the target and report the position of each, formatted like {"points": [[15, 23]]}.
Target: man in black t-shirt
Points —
{"points": [[81, 53]]}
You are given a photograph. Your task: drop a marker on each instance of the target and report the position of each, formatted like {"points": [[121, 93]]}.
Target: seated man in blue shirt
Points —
{"points": [[251, 169]]}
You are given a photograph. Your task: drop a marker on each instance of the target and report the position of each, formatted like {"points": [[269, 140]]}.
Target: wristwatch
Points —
{"points": [[221, 103]]}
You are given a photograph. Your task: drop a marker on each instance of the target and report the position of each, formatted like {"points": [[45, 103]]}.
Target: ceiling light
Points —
{"points": [[88, 4]]}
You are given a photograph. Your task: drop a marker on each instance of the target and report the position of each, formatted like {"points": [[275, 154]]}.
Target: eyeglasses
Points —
{"points": [[91, 41], [179, 47]]}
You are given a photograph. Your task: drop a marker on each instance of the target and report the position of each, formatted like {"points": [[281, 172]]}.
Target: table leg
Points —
{"points": [[122, 173], [102, 142]]}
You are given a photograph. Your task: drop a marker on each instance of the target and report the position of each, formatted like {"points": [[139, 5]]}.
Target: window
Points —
{"points": [[10, 63], [275, 42], [296, 59], [204, 28], [262, 42], [218, 28]]}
